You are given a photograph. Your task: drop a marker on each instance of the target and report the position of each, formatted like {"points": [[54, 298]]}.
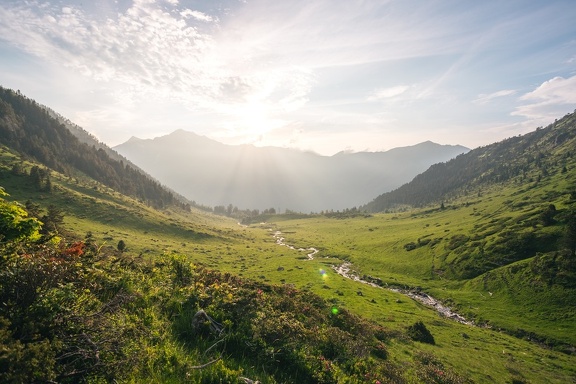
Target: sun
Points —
{"points": [[254, 120]]}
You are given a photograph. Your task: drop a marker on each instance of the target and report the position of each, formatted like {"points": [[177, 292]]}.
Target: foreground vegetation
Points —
{"points": [[100, 286], [193, 297], [73, 310]]}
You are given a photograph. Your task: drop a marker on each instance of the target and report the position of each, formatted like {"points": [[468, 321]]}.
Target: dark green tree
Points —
{"points": [[547, 216], [35, 177], [121, 246], [419, 332], [40, 178], [18, 169], [48, 184], [33, 209], [52, 219]]}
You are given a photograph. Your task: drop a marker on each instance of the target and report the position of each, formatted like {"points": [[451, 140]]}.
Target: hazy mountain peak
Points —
{"points": [[212, 173], [186, 137], [182, 133], [134, 139]]}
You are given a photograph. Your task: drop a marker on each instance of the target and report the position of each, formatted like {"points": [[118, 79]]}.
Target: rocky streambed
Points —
{"points": [[345, 270]]}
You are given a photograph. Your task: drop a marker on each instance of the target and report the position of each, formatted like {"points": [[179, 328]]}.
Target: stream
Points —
{"points": [[280, 241], [345, 270]]}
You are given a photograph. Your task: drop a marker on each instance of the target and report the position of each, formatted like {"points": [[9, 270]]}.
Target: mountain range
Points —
{"points": [[216, 174], [107, 275]]}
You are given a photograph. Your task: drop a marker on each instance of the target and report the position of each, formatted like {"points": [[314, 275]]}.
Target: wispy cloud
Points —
{"points": [[486, 98], [557, 90], [197, 15], [152, 51], [388, 93], [548, 101], [246, 69]]}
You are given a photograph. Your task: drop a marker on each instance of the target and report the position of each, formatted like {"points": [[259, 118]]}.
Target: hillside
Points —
{"points": [[263, 318], [96, 286], [494, 235], [521, 159], [31, 129], [212, 173], [99, 286]]}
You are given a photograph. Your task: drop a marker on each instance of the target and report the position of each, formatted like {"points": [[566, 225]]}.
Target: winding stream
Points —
{"points": [[280, 241], [345, 270]]}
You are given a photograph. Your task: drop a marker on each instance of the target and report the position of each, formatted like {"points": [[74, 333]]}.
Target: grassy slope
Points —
{"points": [[505, 298], [374, 245]]}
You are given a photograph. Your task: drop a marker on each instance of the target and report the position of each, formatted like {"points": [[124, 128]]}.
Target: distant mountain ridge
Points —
{"points": [[212, 173], [528, 157]]}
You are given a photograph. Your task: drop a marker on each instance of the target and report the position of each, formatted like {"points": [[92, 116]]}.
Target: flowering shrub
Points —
{"points": [[293, 334], [59, 318]]}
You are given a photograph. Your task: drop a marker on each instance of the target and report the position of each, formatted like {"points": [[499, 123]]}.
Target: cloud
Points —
{"points": [[485, 98], [557, 90], [187, 13], [149, 50], [252, 67], [550, 100], [387, 93]]}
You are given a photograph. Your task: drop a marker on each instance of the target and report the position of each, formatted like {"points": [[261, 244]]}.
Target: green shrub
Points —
{"points": [[419, 332]]}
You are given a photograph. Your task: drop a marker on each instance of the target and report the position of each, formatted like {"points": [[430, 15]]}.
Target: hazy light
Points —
{"points": [[351, 74]]}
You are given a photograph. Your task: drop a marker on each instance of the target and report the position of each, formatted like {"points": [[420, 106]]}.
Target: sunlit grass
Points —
{"points": [[375, 246]]}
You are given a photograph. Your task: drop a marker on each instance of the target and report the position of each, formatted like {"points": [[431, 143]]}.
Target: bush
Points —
{"points": [[410, 246], [419, 332]]}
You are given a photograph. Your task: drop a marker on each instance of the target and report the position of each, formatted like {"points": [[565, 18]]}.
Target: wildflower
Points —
{"points": [[75, 250]]}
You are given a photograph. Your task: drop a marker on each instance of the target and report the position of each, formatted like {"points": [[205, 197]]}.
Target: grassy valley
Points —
{"points": [[99, 286], [166, 246]]}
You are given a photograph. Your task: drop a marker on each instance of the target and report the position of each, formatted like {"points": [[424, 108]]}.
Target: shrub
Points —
{"points": [[410, 246], [419, 332]]}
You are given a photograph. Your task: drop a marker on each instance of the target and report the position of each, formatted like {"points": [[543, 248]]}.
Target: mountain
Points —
{"points": [[35, 131], [213, 173], [75, 307], [125, 292], [524, 158]]}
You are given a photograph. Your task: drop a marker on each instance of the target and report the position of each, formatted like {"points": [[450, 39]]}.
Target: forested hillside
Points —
{"points": [[524, 159], [31, 130]]}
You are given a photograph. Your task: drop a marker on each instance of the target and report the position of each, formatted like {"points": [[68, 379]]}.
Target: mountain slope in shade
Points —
{"points": [[527, 158], [213, 173], [37, 132]]}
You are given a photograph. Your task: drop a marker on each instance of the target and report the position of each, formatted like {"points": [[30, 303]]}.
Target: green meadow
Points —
{"points": [[524, 328]]}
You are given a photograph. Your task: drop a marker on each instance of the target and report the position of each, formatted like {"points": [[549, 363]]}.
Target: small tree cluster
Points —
{"points": [[40, 178], [419, 332]]}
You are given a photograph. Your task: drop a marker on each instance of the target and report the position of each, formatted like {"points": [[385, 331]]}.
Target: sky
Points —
{"points": [[316, 75]]}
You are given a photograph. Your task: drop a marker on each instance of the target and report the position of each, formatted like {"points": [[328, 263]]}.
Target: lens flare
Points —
{"points": [[334, 310], [323, 273]]}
